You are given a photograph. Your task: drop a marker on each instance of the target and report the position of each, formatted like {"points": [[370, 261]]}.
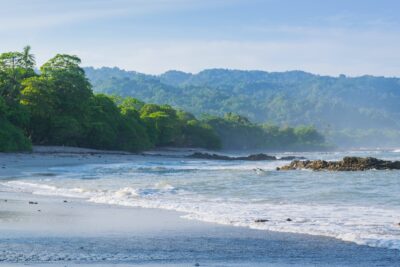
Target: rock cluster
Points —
{"points": [[347, 164]]}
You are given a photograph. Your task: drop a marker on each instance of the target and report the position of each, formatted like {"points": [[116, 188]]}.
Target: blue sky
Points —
{"points": [[353, 37]]}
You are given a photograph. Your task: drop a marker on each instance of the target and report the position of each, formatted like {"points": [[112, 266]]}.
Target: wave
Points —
{"points": [[93, 171], [370, 226], [122, 193]]}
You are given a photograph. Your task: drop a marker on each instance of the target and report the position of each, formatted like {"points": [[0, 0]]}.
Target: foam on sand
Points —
{"points": [[363, 225]]}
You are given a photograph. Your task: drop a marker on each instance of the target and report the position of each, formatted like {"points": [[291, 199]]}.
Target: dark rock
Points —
{"points": [[347, 164], [292, 158], [261, 220], [65, 201], [257, 157], [288, 220], [197, 264], [253, 157], [32, 202]]}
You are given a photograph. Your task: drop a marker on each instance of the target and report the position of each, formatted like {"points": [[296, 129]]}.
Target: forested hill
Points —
{"points": [[354, 111], [55, 105]]}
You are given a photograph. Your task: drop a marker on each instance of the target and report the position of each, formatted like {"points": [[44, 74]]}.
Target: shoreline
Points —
{"points": [[59, 226], [76, 225], [49, 149], [162, 151]]}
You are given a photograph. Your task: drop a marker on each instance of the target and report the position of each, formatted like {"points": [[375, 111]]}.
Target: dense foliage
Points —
{"points": [[14, 67], [352, 111], [56, 106], [237, 132]]}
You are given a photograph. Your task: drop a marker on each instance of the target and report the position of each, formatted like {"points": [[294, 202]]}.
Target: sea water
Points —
{"points": [[361, 207]]}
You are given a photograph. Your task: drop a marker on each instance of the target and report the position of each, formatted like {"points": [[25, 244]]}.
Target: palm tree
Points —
{"points": [[27, 59]]}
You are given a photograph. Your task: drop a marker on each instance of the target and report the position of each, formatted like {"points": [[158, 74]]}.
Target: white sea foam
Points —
{"points": [[48, 190], [360, 224]]}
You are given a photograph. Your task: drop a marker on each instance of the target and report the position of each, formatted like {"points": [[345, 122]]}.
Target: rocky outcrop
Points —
{"points": [[347, 164]]}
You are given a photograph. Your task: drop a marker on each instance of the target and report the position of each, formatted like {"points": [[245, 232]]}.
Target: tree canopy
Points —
{"points": [[57, 106]]}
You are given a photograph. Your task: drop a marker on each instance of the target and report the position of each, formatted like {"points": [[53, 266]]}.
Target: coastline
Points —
{"points": [[77, 232], [125, 235]]}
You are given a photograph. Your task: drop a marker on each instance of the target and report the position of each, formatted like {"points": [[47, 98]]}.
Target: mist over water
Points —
{"points": [[361, 207]]}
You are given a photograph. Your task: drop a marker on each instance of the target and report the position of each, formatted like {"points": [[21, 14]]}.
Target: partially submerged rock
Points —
{"points": [[347, 164], [252, 157], [291, 158]]}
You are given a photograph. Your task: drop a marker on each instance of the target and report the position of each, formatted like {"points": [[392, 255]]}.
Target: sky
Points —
{"points": [[327, 37]]}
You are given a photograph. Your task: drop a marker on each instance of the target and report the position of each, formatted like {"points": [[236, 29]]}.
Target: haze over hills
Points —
{"points": [[352, 111]]}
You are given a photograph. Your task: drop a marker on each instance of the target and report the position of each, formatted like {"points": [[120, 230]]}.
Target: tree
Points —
{"points": [[308, 135], [71, 95], [162, 123], [27, 60], [12, 138], [130, 103], [39, 98], [103, 123], [199, 134], [12, 72], [71, 87]]}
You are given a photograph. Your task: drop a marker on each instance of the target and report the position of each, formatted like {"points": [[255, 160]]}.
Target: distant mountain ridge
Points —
{"points": [[365, 106]]}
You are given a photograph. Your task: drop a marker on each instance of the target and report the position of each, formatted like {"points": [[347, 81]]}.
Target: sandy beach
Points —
{"points": [[60, 231]]}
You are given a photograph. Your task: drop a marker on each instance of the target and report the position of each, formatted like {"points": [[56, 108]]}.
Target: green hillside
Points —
{"points": [[357, 111]]}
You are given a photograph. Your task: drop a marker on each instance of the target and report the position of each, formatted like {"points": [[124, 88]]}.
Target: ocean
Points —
{"points": [[359, 207]]}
